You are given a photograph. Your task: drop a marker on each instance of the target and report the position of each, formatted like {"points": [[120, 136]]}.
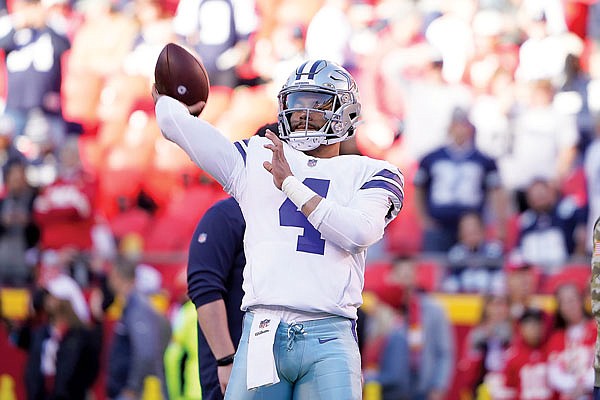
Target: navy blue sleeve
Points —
{"points": [[216, 242]]}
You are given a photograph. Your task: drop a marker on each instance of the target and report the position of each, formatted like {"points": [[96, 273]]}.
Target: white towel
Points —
{"points": [[260, 368]]}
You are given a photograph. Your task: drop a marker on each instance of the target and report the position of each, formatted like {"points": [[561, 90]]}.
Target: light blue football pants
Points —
{"points": [[316, 359]]}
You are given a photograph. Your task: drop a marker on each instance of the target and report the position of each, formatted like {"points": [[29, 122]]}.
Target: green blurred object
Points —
{"points": [[181, 356]]}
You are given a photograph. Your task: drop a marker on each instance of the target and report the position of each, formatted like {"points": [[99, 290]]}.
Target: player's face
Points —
{"points": [[304, 119]]}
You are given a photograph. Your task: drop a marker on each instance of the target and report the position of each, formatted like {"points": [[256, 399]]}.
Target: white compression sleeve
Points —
{"points": [[355, 227], [205, 145]]}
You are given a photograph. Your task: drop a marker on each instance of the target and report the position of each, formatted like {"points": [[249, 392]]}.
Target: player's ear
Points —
{"points": [[196, 109]]}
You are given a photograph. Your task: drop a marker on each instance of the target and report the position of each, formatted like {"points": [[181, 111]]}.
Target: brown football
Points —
{"points": [[179, 74]]}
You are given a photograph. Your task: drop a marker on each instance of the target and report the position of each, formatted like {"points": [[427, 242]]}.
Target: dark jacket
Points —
{"points": [[77, 365], [138, 346], [215, 265]]}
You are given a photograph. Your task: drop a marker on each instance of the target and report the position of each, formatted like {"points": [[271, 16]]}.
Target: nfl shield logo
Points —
{"points": [[312, 162], [264, 323]]}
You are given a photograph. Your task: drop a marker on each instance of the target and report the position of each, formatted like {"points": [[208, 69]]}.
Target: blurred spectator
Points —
{"points": [[542, 54], [100, 47], [8, 151], [571, 347], [591, 166], [452, 35], [34, 71], [552, 229], [417, 359], [543, 141], [63, 359], [430, 102], [491, 112], [493, 49], [572, 96], [274, 56], [181, 356], [526, 366], [139, 340], [455, 179], [474, 263], [594, 85], [219, 31], [593, 23], [522, 282], [331, 22], [18, 233], [551, 11], [64, 209], [155, 31], [148, 280], [66, 214], [482, 363], [387, 68]]}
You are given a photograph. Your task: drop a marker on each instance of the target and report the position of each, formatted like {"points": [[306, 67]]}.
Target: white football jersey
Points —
{"points": [[288, 263]]}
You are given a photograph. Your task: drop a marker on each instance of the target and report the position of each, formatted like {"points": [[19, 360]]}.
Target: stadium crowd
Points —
{"points": [[491, 109]]}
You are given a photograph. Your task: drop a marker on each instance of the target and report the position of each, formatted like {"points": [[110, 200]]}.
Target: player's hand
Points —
{"points": [[278, 167], [223, 373], [194, 109]]}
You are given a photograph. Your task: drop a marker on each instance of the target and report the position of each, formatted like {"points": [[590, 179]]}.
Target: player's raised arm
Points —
{"points": [[354, 227], [361, 223], [205, 145]]}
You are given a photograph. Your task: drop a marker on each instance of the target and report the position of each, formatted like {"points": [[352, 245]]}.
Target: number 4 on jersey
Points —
{"points": [[289, 215]]}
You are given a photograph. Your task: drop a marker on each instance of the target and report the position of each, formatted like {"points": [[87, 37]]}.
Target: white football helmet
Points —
{"points": [[318, 92]]}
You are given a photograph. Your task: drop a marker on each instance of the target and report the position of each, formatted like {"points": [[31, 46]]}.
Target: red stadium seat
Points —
{"points": [[115, 184], [376, 281], [404, 235], [131, 221], [173, 229], [429, 275]]}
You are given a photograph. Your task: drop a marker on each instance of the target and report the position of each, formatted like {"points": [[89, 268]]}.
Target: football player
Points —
{"points": [[310, 216]]}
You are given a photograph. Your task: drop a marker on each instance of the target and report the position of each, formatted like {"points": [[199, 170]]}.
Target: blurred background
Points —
{"points": [[491, 109]]}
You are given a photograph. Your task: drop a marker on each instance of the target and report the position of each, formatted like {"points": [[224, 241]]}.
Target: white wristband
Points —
{"points": [[297, 191]]}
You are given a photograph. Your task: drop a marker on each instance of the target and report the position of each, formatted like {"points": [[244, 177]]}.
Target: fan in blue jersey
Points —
{"points": [[453, 180], [33, 50], [552, 228], [310, 216]]}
